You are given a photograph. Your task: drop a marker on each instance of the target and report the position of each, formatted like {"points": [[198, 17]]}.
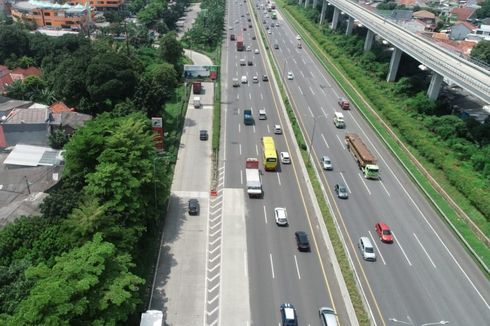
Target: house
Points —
{"points": [[29, 126], [414, 26], [425, 16], [478, 34], [68, 121], [461, 14], [460, 30], [7, 76], [8, 104], [100, 5]]}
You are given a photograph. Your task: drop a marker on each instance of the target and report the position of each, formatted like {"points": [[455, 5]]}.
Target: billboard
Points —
{"points": [[200, 72], [157, 128]]}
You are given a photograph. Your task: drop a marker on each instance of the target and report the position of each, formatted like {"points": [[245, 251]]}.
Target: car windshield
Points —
{"points": [[386, 232], [342, 189]]}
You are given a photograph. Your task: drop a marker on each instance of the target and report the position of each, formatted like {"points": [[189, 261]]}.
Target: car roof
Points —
{"points": [[285, 154], [383, 226], [367, 242]]}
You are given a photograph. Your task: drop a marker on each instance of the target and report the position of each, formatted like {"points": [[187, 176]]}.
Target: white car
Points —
{"points": [[285, 158], [249, 48], [269, 32], [290, 75], [277, 24], [244, 79], [255, 79], [327, 163], [256, 51], [298, 37], [277, 129], [281, 216]]}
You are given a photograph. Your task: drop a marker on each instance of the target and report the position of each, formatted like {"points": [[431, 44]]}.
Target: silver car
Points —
{"points": [[281, 216], [327, 163]]}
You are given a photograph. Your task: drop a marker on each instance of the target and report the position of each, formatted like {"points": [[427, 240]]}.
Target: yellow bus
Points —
{"points": [[269, 154]]}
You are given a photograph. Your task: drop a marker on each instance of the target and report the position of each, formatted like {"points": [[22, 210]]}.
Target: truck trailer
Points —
{"points": [[239, 43], [196, 87], [254, 183], [365, 160]]}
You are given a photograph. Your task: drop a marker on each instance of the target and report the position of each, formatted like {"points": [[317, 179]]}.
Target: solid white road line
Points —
{"points": [[377, 248], [268, 129], [297, 267], [257, 149], [278, 179], [400, 245], [239, 128], [241, 177], [253, 128], [423, 248], [365, 185], [265, 215], [382, 184], [240, 149], [272, 265]]}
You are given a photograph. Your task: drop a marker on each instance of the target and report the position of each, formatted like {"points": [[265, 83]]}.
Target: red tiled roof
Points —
{"points": [[469, 25], [5, 81], [60, 107], [463, 13], [440, 36], [408, 2], [4, 70], [31, 71]]}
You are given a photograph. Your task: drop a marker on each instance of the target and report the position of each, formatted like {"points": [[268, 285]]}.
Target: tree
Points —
{"points": [[13, 42], [171, 49], [484, 11], [88, 285], [482, 51], [58, 139]]}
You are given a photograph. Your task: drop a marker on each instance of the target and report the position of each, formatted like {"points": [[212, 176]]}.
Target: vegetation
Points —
{"points": [[482, 51], [79, 262], [484, 11], [447, 158]]}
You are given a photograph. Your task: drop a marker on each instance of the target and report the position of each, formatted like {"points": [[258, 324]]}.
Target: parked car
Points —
{"points": [[193, 206], [302, 241], [341, 191], [384, 232]]}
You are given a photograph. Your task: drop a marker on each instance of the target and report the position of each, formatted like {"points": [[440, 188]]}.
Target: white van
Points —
{"points": [[262, 114], [197, 102], [244, 79], [338, 120], [243, 62]]}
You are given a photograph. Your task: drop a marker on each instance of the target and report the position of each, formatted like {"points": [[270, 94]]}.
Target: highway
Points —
{"points": [[425, 276], [277, 271]]}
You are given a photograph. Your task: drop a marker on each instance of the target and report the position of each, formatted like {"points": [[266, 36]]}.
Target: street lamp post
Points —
{"points": [[312, 136]]}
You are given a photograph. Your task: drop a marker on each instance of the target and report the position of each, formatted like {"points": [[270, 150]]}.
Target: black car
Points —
{"points": [[276, 46], [193, 206], [341, 191], [288, 315], [203, 135], [250, 63], [253, 37], [302, 241], [265, 78]]}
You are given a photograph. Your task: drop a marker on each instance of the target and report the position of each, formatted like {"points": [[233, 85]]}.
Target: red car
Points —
{"points": [[384, 232]]}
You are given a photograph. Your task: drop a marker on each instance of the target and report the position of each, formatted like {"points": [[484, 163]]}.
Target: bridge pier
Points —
{"points": [[335, 19], [394, 63], [315, 3], [307, 2], [300, 2], [350, 25], [324, 11], [434, 86], [368, 43]]}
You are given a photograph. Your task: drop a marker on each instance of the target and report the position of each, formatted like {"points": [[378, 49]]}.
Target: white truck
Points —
{"points": [[152, 318], [254, 183]]}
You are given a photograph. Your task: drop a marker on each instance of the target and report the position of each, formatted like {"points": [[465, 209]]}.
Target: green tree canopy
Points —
{"points": [[482, 51]]}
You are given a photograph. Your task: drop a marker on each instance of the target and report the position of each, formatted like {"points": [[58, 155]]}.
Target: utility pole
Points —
{"points": [[27, 183]]}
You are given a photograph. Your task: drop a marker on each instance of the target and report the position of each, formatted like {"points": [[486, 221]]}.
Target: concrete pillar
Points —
{"points": [[315, 3], [307, 2], [300, 2], [369, 40], [435, 86], [394, 62], [350, 25], [335, 19], [324, 11]]}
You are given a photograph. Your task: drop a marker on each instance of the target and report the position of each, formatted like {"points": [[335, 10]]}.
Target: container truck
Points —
{"points": [[239, 43], [196, 87], [254, 183], [152, 318], [365, 160]]}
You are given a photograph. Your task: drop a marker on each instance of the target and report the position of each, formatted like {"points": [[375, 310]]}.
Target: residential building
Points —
{"points": [[478, 34], [45, 13], [414, 26], [461, 14], [7, 76], [100, 5], [460, 30]]}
